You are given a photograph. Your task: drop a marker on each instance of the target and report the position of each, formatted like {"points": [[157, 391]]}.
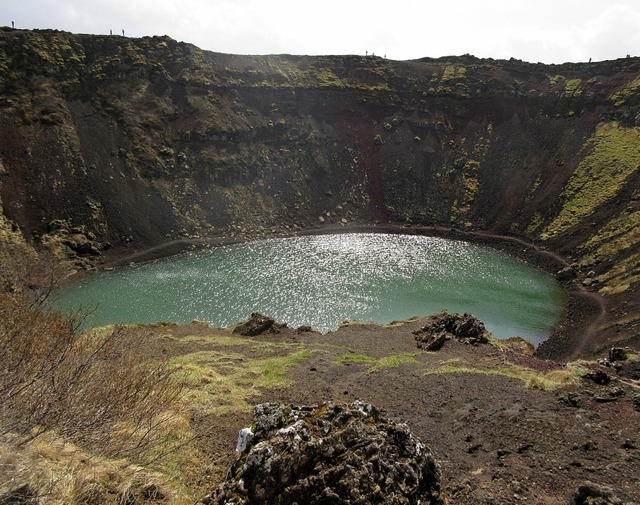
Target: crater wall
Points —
{"points": [[111, 145]]}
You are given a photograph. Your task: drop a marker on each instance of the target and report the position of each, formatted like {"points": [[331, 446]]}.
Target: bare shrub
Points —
{"points": [[32, 275], [96, 389]]}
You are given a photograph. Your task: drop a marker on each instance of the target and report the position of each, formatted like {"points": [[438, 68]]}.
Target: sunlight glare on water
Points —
{"points": [[323, 280]]}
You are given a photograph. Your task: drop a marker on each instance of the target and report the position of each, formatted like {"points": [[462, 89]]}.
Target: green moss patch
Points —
{"points": [[570, 85], [614, 155], [617, 235], [631, 90], [469, 181], [622, 276]]}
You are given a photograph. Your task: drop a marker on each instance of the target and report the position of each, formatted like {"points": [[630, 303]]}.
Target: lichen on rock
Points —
{"points": [[331, 454]]}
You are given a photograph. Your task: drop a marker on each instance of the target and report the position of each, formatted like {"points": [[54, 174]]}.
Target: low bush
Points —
{"points": [[98, 389]]}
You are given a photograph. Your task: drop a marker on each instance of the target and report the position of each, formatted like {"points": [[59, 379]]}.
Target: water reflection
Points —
{"points": [[324, 280]]}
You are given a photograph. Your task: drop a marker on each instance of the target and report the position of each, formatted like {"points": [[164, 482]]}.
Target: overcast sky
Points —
{"points": [[550, 31]]}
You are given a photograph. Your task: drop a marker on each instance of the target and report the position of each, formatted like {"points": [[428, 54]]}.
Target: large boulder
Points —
{"points": [[332, 454], [590, 493], [566, 274], [257, 325], [464, 327]]}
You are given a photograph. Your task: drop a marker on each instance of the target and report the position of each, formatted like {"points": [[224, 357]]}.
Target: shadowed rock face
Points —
{"points": [[333, 454], [140, 142]]}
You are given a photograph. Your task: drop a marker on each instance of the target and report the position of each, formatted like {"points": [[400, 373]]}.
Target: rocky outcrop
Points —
{"points": [[443, 326], [257, 325], [568, 273], [590, 493], [332, 454]]}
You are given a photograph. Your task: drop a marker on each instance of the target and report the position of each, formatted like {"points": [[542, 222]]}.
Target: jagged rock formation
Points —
{"points": [[257, 325], [333, 454], [442, 326], [139, 142], [593, 494]]}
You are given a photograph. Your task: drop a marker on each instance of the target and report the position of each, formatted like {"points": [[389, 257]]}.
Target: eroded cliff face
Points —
{"points": [[129, 143]]}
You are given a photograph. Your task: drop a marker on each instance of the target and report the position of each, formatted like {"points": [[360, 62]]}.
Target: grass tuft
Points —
{"points": [[546, 381], [377, 364], [223, 381]]}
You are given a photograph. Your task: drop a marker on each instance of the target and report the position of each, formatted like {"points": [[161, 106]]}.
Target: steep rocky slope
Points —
{"points": [[111, 145]]}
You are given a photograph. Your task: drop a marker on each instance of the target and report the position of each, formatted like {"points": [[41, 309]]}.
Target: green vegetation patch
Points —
{"points": [[453, 80], [619, 234], [546, 381], [376, 364], [453, 72], [470, 179], [553, 79], [573, 86], [536, 222], [224, 381], [622, 276], [631, 90], [613, 157], [570, 85]]}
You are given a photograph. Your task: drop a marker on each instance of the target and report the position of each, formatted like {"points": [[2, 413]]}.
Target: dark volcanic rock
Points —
{"points": [[466, 328], [433, 342], [84, 247], [332, 454], [590, 493], [566, 274], [617, 354], [599, 377], [257, 325]]}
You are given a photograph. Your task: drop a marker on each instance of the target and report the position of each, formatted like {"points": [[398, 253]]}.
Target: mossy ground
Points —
{"points": [[610, 158], [629, 92], [377, 364]]}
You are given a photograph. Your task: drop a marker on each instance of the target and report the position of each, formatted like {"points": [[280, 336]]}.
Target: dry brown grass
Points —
{"points": [[78, 410], [61, 473], [97, 390], [545, 380], [27, 274]]}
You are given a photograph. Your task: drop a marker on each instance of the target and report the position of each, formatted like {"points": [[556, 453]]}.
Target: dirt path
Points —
{"points": [[591, 331]]}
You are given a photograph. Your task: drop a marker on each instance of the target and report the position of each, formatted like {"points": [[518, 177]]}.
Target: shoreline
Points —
{"points": [[573, 336]]}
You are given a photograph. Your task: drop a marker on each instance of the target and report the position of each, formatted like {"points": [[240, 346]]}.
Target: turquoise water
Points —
{"points": [[323, 280]]}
